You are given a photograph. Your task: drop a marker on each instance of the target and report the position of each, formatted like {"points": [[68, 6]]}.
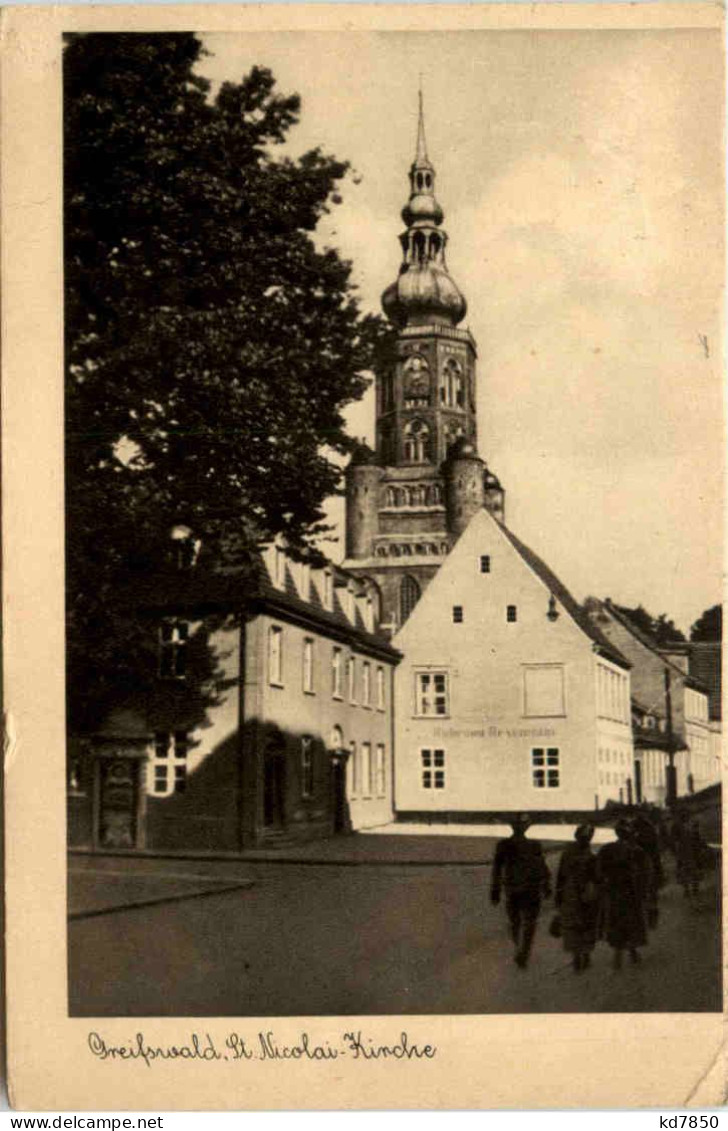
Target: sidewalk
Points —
{"points": [[393, 844]]}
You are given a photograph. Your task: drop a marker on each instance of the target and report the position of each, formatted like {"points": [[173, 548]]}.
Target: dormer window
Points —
{"points": [[279, 567], [305, 578], [328, 590]]}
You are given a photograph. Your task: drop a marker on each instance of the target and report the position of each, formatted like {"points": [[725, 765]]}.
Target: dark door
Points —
{"points": [[118, 803], [638, 781], [274, 789], [342, 818]]}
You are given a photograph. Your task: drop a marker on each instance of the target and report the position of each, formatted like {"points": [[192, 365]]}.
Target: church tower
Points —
{"points": [[409, 501]]}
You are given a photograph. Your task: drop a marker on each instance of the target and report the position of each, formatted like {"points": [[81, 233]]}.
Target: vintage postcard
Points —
{"points": [[363, 498]]}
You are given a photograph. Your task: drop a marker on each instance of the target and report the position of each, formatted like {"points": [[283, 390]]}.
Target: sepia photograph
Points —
{"points": [[393, 522]]}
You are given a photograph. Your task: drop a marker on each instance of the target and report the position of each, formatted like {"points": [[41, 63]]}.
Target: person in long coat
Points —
{"points": [[520, 868], [577, 898], [689, 850], [623, 872]]}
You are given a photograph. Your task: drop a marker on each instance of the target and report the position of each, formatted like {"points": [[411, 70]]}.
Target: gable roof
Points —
{"points": [[602, 643], [250, 587], [652, 645]]}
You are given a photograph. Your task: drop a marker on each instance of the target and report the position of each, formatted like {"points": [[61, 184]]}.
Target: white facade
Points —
{"points": [[503, 701]]}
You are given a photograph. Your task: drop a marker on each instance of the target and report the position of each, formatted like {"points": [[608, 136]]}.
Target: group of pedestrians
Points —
{"points": [[611, 894]]}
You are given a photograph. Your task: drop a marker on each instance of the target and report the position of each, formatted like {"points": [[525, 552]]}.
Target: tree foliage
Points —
{"points": [[661, 629], [708, 628], [210, 344]]}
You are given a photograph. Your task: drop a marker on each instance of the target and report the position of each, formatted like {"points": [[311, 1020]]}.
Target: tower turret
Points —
{"points": [[464, 486], [363, 477]]}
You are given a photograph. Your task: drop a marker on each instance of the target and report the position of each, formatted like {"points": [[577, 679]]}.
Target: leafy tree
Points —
{"points": [[661, 629], [210, 344], [708, 628]]}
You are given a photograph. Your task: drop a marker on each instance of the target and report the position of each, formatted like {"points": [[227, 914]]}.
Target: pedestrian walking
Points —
{"points": [[577, 898], [646, 837], [623, 873], [689, 849], [521, 870]]}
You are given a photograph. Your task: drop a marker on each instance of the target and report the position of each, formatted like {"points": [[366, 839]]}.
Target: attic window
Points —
{"points": [[457, 614], [511, 614], [485, 563]]}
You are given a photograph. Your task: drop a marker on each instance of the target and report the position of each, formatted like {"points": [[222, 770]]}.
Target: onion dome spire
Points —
{"points": [[424, 291]]}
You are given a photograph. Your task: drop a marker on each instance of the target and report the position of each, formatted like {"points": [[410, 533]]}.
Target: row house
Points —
{"points": [[269, 718], [671, 710], [508, 697]]}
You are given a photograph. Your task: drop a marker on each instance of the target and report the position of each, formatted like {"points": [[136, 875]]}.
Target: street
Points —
{"points": [[379, 937]]}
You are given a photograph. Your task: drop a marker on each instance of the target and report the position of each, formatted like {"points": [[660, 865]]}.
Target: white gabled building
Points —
{"points": [[508, 696]]}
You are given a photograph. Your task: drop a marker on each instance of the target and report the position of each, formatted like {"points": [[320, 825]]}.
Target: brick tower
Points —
{"points": [[408, 501]]}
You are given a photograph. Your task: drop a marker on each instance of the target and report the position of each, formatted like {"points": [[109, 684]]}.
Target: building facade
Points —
{"points": [[408, 501], [671, 710], [508, 697], [270, 719]]}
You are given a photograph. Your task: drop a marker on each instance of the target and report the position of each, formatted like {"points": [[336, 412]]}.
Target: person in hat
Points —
{"points": [[519, 868], [623, 872], [577, 898]]}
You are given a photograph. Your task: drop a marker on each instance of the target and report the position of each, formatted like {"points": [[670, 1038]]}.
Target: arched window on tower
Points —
{"points": [[452, 387], [416, 435], [409, 595]]}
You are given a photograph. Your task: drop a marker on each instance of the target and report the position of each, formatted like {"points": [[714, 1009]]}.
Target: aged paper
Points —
{"points": [[528, 1060]]}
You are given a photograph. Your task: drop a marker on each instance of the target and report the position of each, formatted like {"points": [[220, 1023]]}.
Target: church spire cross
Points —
{"points": [[421, 153], [424, 291]]}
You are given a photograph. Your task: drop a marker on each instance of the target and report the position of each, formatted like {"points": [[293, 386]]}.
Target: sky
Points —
{"points": [[580, 174]]}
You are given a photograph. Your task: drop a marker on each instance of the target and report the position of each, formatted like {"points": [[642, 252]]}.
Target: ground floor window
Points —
{"points": [[433, 769], [168, 767], [546, 767], [381, 771], [366, 768]]}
